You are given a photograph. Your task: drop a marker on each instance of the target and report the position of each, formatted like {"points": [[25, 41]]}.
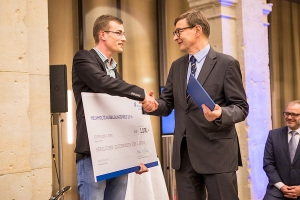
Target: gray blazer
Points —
{"points": [[213, 148]]}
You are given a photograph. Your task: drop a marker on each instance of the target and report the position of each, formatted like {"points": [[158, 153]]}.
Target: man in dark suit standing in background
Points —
{"points": [[282, 157], [95, 71], [205, 149]]}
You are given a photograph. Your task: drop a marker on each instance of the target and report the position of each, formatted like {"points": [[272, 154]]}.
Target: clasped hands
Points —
{"points": [[290, 191], [149, 104]]}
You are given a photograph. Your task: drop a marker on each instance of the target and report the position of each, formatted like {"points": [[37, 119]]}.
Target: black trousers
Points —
{"points": [[194, 186]]}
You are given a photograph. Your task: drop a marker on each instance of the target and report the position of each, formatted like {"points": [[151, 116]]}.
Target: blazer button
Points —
{"points": [[292, 168], [186, 111]]}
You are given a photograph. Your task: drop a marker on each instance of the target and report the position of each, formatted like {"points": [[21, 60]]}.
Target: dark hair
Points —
{"points": [[193, 18], [101, 23]]}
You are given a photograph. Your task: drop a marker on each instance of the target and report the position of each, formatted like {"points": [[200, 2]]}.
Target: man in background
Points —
{"points": [[282, 157], [206, 148], [95, 71]]}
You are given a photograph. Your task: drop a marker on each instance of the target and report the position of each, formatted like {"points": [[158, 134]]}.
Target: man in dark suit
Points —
{"points": [[205, 150], [282, 157], [95, 71]]}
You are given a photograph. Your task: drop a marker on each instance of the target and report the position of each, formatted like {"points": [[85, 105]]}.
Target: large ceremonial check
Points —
{"points": [[120, 136]]}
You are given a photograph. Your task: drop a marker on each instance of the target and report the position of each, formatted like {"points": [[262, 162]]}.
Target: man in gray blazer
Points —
{"points": [[282, 157], [95, 71], [206, 149]]}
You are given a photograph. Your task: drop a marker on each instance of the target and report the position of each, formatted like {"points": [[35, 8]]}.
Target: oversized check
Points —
{"points": [[120, 136]]}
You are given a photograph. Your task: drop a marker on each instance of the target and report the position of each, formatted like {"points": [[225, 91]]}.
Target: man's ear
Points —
{"points": [[102, 35], [198, 29]]}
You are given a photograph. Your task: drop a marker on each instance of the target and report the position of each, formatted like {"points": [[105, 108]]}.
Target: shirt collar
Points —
{"points": [[201, 54], [113, 63], [289, 130]]}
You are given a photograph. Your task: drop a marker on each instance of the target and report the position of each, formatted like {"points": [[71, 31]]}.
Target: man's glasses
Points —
{"points": [[119, 33], [177, 31], [287, 114]]}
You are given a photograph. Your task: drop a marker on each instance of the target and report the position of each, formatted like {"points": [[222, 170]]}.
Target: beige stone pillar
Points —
{"points": [[239, 28], [25, 136]]}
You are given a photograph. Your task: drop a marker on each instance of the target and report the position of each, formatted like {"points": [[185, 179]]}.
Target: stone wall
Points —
{"points": [[25, 126]]}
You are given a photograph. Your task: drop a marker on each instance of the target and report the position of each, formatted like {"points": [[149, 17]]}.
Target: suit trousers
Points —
{"points": [[194, 186]]}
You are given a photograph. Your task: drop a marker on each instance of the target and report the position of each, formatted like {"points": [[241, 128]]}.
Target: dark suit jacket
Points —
{"points": [[89, 75], [277, 163], [212, 148]]}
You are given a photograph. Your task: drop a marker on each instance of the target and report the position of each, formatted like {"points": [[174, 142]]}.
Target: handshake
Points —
{"points": [[149, 104]]}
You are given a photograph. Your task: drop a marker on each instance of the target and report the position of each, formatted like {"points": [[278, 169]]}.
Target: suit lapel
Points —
{"points": [[208, 65], [297, 154], [284, 140], [182, 77], [117, 74]]}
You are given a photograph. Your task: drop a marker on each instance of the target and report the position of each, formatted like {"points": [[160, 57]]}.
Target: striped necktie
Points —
{"points": [[193, 72]]}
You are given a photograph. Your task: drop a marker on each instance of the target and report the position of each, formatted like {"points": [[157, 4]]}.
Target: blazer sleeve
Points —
{"points": [[89, 72], [269, 163], [166, 99], [236, 109]]}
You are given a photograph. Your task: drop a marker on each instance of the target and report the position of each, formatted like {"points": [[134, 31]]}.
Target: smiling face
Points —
{"points": [[292, 122], [187, 36], [114, 39]]}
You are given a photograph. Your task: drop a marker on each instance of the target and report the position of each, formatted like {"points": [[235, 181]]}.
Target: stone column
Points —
{"points": [[25, 144], [239, 28]]}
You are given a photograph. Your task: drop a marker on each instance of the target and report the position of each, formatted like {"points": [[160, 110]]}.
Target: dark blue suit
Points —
{"points": [[277, 163]]}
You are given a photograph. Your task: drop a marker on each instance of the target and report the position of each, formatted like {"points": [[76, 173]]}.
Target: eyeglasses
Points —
{"points": [[119, 33], [177, 31], [287, 114]]}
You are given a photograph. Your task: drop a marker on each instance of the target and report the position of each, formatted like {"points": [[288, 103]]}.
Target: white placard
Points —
{"points": [[120, 136]]}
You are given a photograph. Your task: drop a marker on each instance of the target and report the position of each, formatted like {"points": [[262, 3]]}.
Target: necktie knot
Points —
{"points": [[293, 133], [193, 59]]}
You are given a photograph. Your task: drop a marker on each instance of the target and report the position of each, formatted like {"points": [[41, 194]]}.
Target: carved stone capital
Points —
{"points": [[215, 8], [267, 8]]}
